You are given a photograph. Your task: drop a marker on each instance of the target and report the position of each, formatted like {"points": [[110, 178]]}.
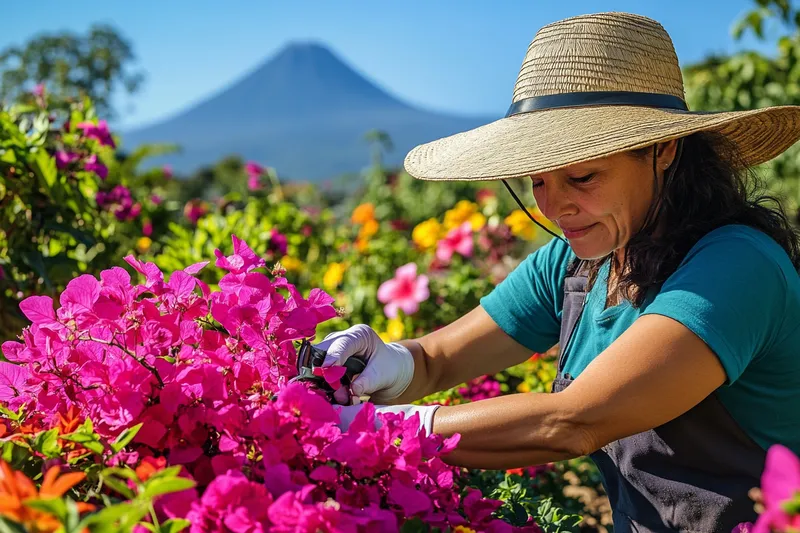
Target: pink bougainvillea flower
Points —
{"points": [[97, 131], [119, 201], [332, 374], [147, 228], [231, 503], [38, 90], [166, 170], [780, 482], [277, 243], [63, 159], [254, 172], [405, 291], [459, 240], [243, 259], [194, 210], [412, 501], [93, 165]]}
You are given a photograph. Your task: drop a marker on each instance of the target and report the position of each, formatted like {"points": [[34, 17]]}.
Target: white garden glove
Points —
{"points": [[348, 412], [390, 367]]}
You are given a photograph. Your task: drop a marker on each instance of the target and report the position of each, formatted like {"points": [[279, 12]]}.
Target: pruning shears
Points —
{"points": [[309, 357]]}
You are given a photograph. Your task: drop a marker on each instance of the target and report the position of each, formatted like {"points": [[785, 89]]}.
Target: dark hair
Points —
{"points": [[710, 188]]}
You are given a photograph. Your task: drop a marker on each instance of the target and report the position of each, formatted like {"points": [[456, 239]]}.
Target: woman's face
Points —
{"points": [[599, 205]]}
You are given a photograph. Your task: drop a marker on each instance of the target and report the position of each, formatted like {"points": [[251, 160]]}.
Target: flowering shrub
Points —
{"points": [[169, 397], [68, 203]]}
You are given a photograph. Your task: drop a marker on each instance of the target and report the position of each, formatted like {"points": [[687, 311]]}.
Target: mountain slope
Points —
{"points": [[304, 112]]}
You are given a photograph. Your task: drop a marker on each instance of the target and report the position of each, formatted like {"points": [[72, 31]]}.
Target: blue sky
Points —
{"points": [[448, 55]]}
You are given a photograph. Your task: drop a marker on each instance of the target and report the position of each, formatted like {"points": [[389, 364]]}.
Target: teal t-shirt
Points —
{"points": [[736, 289]]}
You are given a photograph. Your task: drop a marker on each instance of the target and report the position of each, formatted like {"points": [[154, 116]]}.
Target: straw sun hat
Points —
{"points": [[589, 87]]}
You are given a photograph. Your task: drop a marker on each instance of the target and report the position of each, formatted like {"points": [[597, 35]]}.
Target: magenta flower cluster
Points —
{"points": [[205, 373], [480, 388], [120, 202]]}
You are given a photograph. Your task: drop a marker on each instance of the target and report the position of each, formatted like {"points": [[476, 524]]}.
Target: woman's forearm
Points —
{"points": [[425, 380], [471, 346], [512, 431]]}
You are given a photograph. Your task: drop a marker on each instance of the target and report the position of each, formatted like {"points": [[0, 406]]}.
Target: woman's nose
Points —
{"points": [[555, 203]]}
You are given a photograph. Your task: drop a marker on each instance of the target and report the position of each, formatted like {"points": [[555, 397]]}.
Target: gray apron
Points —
{"points": [[690, 474]]}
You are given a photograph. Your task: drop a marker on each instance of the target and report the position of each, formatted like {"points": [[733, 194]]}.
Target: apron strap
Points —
{"points": [[575, 286]]}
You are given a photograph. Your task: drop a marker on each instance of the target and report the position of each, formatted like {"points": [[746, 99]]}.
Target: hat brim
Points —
{"points": [[543, 141]]}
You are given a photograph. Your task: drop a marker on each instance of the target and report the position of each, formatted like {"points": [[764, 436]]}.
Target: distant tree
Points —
{"points": [[379, 141], [71, 66], [748, 80]]}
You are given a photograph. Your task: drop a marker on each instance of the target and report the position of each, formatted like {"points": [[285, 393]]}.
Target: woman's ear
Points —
{"points": [[666, 153]]}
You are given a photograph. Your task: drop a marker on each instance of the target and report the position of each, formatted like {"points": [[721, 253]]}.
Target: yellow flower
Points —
{"points": [[521, 225], [396, 329], [462, 212], [426, 234], [369, 229], [523, 387], [143, 244], [291, 264], [333, 276], [363, 213], [463, 529]]}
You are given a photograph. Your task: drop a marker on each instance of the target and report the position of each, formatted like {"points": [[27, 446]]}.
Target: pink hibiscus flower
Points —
{"points": [[457, 240], [405, 291]]}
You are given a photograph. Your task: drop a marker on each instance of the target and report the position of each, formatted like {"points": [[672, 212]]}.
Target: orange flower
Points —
{"points": [[16, 489], [149, 466], [517, 471], [369, 229], [361, 245], [363, 213], [69, 422]]}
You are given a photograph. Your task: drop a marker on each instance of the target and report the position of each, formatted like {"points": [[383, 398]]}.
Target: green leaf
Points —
{"points": [[80, 236], [520, 515], [46, 443], [174, 525], [114, 518], [123, 472], [7, 526], [46, 166], [33, 259], [55, 506], [119, 486], [8, 413], [169, 472], [156, 487], [73, 516], [125, 437], [96, 447], [415, 525]]}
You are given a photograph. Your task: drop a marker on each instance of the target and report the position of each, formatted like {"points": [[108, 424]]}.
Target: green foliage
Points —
{"points": [[749, 80], [71, 67], [52, 228]]}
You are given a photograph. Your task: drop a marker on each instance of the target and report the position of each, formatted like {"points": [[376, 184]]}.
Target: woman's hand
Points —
{"points": [[390, 367], [348, 412]]}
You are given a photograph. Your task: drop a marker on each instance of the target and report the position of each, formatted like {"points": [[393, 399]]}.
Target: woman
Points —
{"points": [[675, 296]]}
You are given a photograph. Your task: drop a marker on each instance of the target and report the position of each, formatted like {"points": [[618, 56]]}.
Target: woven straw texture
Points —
{"points": [[601, 52]]}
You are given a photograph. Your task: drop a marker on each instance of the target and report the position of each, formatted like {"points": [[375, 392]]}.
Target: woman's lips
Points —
{"points": [[574, 233]]}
